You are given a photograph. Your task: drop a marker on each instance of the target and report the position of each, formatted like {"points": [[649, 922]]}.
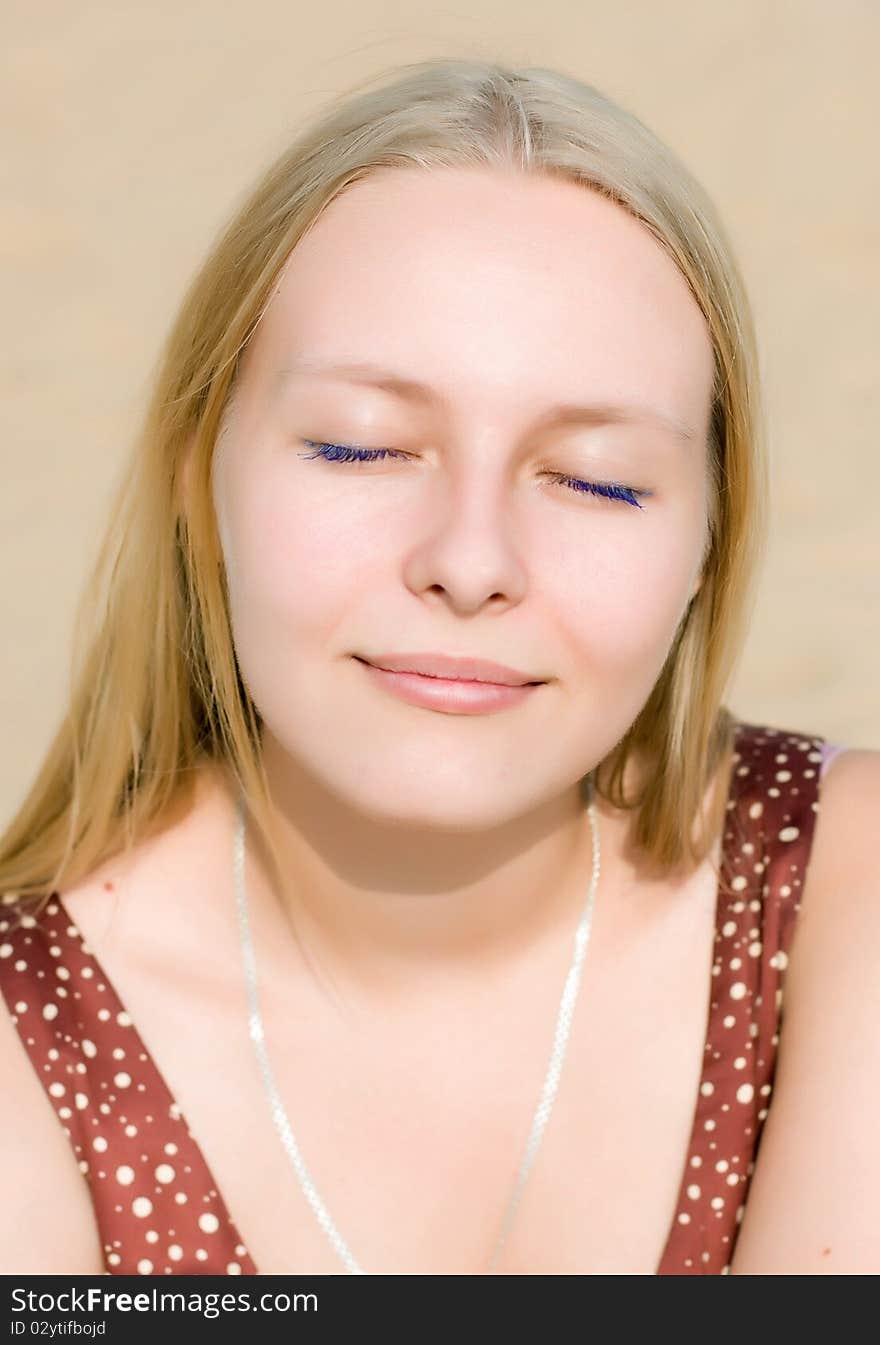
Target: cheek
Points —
{"points": [[618, 599], [290, 579]]}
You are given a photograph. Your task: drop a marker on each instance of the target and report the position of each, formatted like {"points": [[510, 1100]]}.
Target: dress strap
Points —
{"points": [[157, 1206], [768, 835]]}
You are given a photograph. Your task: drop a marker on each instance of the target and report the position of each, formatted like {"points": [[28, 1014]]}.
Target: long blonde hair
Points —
{"points": [[155, 693]]}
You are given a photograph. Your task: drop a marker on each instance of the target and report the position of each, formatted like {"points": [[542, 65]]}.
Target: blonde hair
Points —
{"points": [[155, 691]]}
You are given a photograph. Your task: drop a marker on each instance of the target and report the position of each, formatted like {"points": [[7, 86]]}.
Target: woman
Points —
{"points": [[336, 946]]}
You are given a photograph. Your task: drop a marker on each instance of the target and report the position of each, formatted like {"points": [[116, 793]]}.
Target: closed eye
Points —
{"points": [[610, 490]]}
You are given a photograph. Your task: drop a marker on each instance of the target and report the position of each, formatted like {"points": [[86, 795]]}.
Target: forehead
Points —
{"points": [[491, 283]]}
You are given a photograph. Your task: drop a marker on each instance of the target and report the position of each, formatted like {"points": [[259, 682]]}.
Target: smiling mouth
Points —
{"points": [[437, 677], [448, 695], [441, 668]]}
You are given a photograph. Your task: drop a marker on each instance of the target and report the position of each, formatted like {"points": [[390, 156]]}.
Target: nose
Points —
{"points": [[469, 553]]}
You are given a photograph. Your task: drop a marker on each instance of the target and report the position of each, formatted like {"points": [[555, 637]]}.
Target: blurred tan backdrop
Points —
{"points": [[132, 129]]}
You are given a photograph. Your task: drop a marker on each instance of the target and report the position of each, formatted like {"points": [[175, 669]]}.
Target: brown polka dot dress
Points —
{"points": [[156, 1203]]}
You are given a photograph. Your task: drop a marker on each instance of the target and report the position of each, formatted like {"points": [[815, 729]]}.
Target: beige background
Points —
{"points": [[133, 129]]}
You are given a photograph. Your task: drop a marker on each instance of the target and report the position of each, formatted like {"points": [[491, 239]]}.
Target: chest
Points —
{"points": [[412, 1129]]}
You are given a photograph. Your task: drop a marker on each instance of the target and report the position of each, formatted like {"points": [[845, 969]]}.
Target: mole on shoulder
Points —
{"points": [[108, 887]]}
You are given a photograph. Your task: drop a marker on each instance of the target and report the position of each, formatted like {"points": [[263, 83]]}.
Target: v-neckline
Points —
{"points": [[248, 1265]]}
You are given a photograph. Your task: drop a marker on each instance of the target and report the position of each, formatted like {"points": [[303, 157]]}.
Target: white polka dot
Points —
{"points": [[745, 1092], [789, 833], [113, 1258], [145, 1267], [779, 960], [164, 1173], [717, 1202], [123, 1019], [81, 1101], [99, 1144], [740, 1062], [728, 928], [233, 1268], [142, 1207], [21, 1007], [739, 882], [201, 1254], [175, 1252], [694, 1192], [131, 1130], [171, 1148], [209, 1223], [89, 1048], [722, 1165], [122, 1080], [57, 1089], [180, 1197], [50, 1011], [118, 1053], [733, 1179], [737, 990], [152, 1236], [755, 949], [684, 1218], [756, 810], [125, 1175], [6, 950], [730, 1021]]}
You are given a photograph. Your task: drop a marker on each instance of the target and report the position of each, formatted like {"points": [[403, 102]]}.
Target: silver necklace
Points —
{"points": [[551, 1081]]}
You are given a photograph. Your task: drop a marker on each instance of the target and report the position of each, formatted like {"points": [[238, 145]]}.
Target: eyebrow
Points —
{"points": [[409, 389]]}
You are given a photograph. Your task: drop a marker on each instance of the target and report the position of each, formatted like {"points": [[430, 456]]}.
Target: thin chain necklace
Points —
{"points": [[551, 1081]]}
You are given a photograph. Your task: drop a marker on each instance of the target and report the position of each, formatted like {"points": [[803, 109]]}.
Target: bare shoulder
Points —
{"points": [[812, 1205], [47, 1225], [125, 909], [153, 903]]}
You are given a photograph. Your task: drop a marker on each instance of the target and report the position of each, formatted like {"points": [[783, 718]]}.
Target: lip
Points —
{"points": [[454, 696], [452, 669]]}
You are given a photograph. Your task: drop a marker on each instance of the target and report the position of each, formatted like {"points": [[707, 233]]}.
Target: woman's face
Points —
{"points": [[513, 300]]}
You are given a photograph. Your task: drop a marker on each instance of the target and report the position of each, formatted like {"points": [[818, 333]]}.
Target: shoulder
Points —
{"points": [[47, 1224], [816, 1185]]}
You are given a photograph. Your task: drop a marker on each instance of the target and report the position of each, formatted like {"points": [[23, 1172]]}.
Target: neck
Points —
{"points": [[386, 910]]}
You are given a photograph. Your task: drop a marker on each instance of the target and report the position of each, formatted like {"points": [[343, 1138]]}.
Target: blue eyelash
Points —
{"points": [[610, 490]]}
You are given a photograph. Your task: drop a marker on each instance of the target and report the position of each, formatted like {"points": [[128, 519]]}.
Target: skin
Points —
{"points": [[425, 847]]}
